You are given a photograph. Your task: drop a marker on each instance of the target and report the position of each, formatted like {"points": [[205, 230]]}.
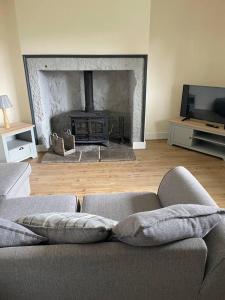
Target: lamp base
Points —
{"points": [[6, 120]]}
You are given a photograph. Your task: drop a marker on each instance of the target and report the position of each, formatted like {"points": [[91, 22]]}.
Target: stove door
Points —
{"points": [[90, 129]]}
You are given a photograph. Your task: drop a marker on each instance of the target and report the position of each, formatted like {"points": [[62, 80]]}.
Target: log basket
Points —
{"points": [[64, 145]]}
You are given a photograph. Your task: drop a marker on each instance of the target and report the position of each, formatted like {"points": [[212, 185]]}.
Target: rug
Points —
{"points": [[93, 153]]}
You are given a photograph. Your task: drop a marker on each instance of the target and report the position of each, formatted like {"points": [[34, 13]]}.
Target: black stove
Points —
{"points": [[90, 126]]}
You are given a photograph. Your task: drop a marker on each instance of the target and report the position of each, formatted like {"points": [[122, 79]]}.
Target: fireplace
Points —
{"points": [[99, 97], [90, 126]]}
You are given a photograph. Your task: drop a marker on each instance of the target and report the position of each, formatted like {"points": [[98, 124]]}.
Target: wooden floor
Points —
{"points": [[144, 174]]}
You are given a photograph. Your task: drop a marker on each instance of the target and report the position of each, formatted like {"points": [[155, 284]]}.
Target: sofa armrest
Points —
{"points": [[110, 270], [14, 180], [213, 286], [180, 186]]}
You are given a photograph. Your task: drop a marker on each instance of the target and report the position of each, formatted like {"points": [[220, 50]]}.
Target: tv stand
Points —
{"points": [[197, 136], [188, 117], [185, 119]]}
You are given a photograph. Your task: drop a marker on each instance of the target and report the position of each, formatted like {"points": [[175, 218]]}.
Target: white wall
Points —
{"points": [[184, 40], [187, 45], [82, 27], [11, 68]]}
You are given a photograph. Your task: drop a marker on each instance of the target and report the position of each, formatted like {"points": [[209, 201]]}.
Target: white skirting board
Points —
{"points": [[156, 135], [139, 145], [150, 136]]}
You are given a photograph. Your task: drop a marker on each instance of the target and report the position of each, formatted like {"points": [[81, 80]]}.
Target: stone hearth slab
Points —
{"points": [[87, 148], [90, 156], [114, 145], [93, 153], [50, 157], [117, 155]]}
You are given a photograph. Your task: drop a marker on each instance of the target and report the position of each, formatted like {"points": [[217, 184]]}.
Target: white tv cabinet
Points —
{"points": [[196, 135]]}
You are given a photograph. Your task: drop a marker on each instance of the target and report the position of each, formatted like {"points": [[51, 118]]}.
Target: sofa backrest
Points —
{"points": [[117, 206]]}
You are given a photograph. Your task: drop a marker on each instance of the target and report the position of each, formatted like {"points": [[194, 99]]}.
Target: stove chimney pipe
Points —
{"points": [[88, 89]]}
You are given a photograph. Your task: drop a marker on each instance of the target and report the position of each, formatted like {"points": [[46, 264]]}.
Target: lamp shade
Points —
{"points": [[5, 102]]}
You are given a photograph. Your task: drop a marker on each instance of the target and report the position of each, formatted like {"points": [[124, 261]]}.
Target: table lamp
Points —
{"points": [[4, 104]]}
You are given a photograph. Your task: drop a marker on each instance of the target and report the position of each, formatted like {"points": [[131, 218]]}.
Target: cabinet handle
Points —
{"points": [[21, 148]]}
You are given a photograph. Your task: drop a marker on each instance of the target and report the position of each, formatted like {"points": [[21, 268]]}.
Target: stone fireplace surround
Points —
{"points": [[132, 68]]}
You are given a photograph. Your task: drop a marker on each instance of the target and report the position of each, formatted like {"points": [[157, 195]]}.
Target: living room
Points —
{"points": [[101, 117]]}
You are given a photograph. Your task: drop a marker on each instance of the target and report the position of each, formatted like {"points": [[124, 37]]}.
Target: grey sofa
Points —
{"points": [[184, 270], [14, 180]]}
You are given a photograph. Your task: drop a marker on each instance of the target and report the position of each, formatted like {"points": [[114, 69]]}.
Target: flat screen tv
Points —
{"points": [[203, 103]]}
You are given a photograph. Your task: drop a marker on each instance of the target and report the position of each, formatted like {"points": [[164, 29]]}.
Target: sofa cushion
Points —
{"points": [[118, 206], [69, 228], [12, 178], [168, 224], [15, 208], [13, 234]]}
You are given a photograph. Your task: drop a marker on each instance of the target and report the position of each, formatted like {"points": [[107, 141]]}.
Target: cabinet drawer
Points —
{"points": [[182, 136], [20, 153]]}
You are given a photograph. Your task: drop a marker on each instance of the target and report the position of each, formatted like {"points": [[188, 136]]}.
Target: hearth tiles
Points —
{"points": [[90, 156], [117, 155], [93, 153], [51, 157]]}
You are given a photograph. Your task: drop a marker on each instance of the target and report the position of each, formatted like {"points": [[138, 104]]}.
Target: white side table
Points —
{"points": [[17, 143]]}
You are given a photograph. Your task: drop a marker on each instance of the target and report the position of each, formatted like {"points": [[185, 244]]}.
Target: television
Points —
{"points": [[203, 103]]}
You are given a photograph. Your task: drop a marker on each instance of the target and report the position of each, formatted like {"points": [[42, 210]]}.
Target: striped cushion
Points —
{"points": [[64, 228], [12, 235]]}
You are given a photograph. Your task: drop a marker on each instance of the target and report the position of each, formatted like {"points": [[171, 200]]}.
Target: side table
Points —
{"points": [[17, 143]]}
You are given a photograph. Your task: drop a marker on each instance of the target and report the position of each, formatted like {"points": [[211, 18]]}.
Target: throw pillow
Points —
{"points": [[12, 234], [168, 224], [63, 228]]}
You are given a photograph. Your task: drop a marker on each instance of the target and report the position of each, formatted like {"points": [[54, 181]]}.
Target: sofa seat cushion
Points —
{"points": [[12, 177], [118, 206], [15, 208]]}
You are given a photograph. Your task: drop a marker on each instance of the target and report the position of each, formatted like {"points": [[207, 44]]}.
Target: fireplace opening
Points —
{"points": [[98, 108]]}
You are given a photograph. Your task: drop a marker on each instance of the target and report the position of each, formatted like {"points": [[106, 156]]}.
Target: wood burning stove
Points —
{"points": [[90, 126]]}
